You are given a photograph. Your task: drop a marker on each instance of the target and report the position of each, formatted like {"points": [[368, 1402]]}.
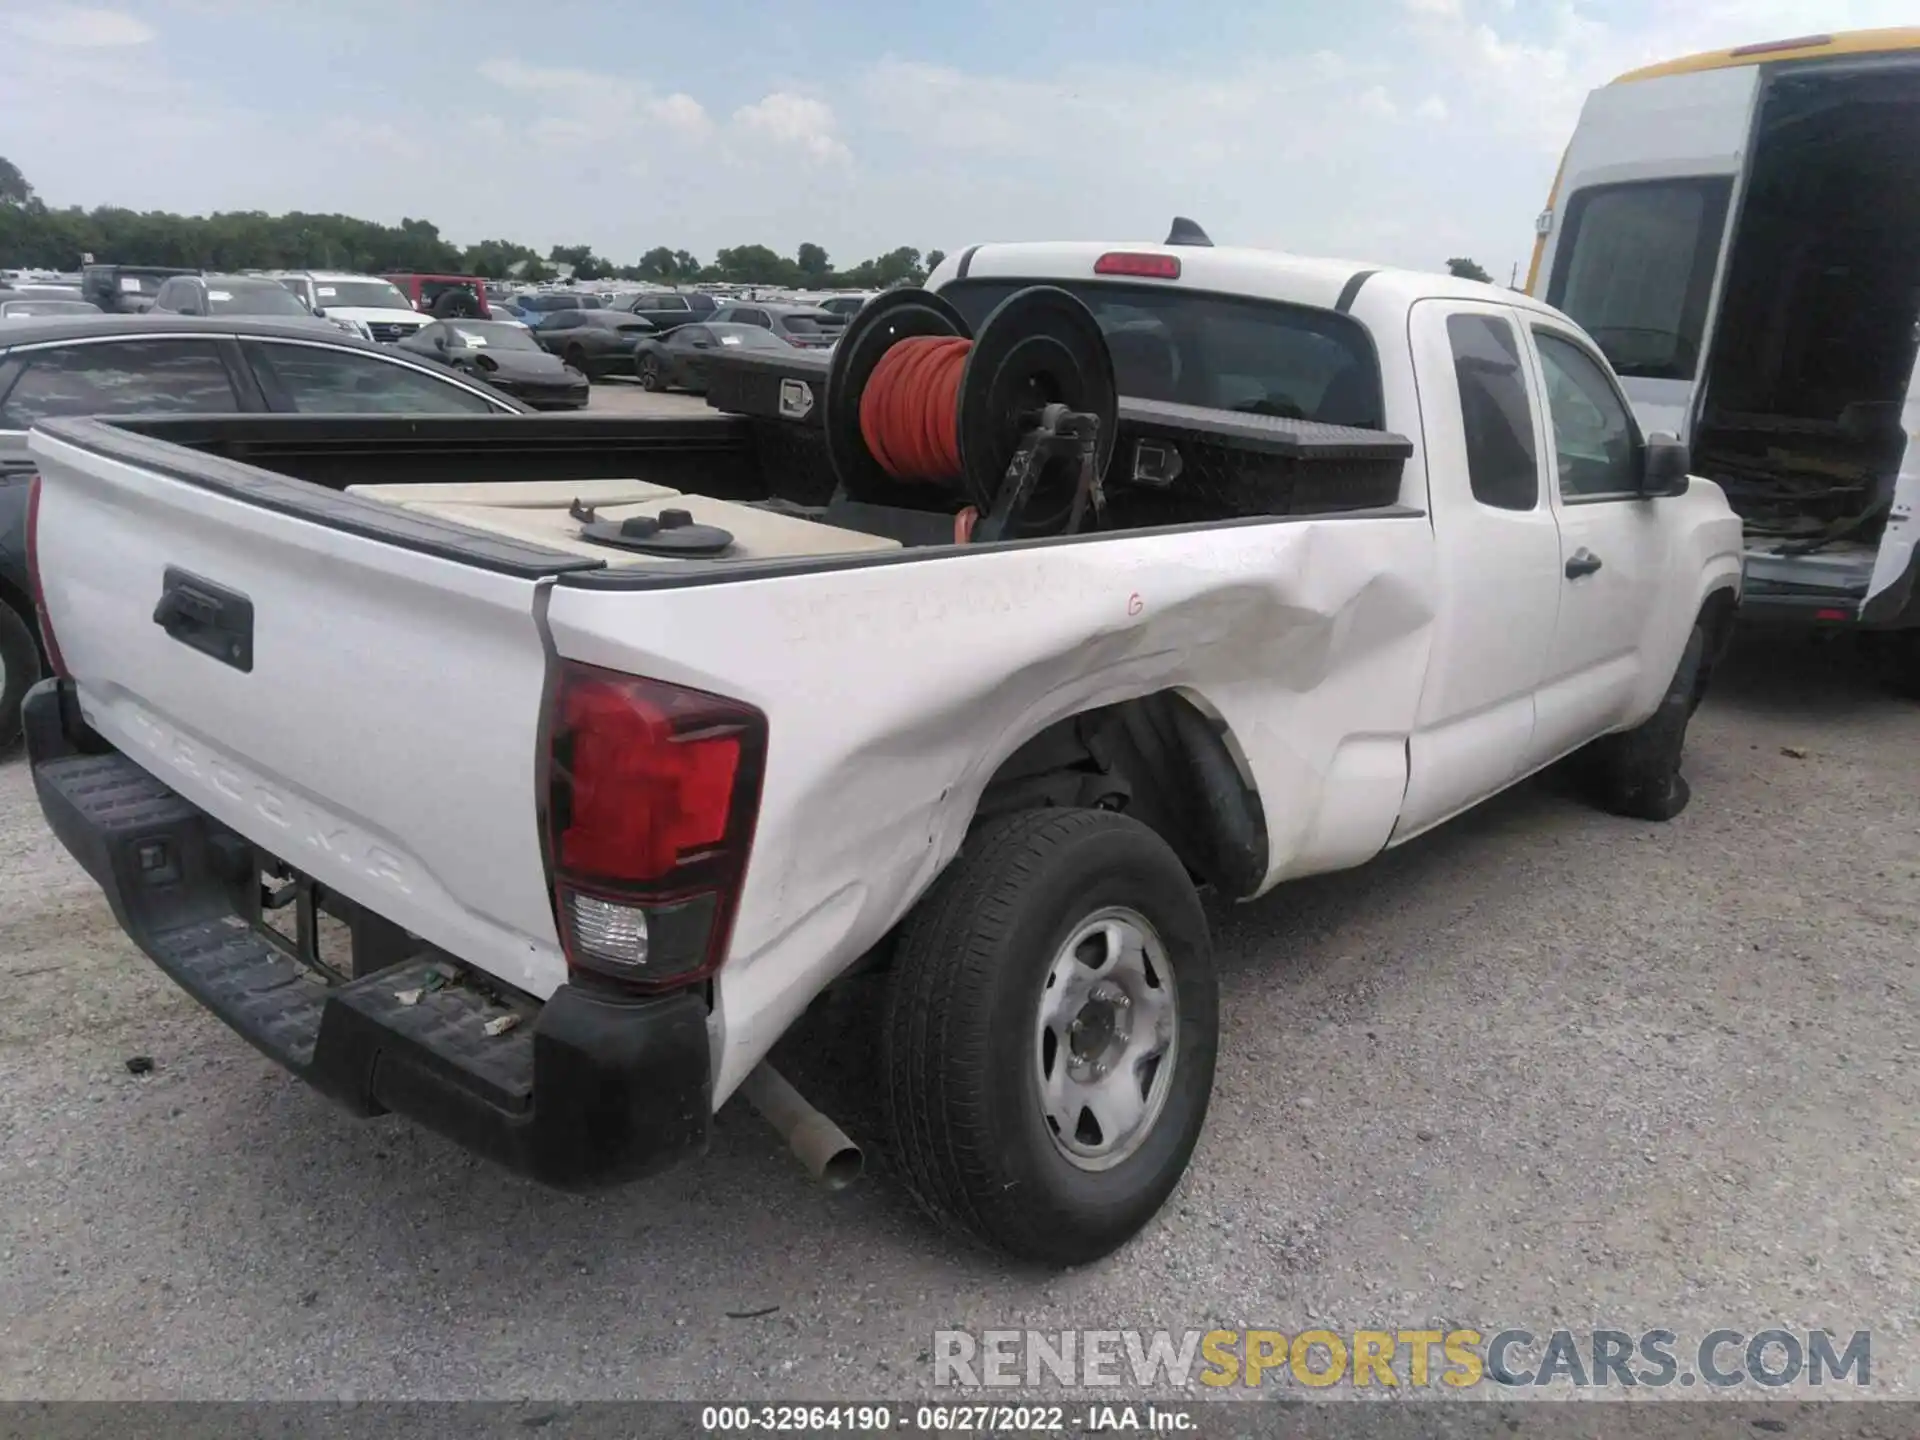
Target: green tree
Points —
{"points": [[686, 265], [1465, 269], [812, 262], [14, 189], [934, 257], [659, 263], [755, 265], [586, 265]]}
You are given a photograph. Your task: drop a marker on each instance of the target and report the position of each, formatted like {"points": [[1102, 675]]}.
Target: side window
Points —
{"points": [[1501, 464], [1594, 439], [121, 377], [323, 381]]}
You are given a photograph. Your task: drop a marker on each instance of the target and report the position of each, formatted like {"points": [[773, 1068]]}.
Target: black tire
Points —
{"points": [[1895, 655], [650, 377], [20, 654], [1636, 773], [577, 358], [960, 1034]]}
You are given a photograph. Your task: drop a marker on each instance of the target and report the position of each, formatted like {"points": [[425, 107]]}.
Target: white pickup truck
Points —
{"points": [[603, 818]]}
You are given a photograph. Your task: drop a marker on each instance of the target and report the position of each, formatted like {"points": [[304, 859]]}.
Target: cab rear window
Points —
{"points": [[1192, 347]]}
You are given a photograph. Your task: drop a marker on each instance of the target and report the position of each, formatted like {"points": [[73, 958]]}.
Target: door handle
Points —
{"points": [[1582, 562]]}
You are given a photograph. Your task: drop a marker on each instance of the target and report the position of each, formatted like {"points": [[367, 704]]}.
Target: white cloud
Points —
{"points": [[1448, 8], [1432, 108], [1375, 101], [798, 121], [586, 105], [81, 27]]}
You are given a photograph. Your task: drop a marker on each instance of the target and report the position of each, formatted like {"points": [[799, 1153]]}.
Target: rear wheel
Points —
{"points": [[577, 358], [1050, 1034], [1896, 660], [650, 377], [20, 657]]}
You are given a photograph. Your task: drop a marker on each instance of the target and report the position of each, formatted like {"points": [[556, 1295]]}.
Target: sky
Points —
{"points": [[1392, 131]]}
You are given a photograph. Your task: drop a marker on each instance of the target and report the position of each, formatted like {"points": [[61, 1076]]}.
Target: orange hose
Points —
{"points": [[910, 410]]}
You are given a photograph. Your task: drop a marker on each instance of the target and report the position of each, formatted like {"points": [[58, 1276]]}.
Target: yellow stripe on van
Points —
{"points": [[1808, 47], [1540, 240]]}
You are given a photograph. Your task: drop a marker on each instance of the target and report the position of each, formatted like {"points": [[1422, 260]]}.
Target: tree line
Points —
{"points": [[34, 234]]}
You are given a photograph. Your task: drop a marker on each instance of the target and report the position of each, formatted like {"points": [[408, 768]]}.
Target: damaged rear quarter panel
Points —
{"points": [[894, 691]]}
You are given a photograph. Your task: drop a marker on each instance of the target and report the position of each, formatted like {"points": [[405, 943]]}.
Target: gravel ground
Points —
{"points": [[1543, 1067]]}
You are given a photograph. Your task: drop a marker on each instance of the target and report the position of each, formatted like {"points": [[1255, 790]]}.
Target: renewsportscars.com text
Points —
{"points": [[1513, 1359]]}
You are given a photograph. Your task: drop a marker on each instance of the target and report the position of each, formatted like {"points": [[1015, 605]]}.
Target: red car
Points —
{"points": [[461, 297]]}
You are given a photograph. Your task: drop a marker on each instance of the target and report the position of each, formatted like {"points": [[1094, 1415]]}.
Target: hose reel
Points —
{"points": [[1017, 423]]}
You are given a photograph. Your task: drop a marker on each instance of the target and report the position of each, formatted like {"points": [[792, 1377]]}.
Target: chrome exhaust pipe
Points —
{"points": [[822, 1146]]}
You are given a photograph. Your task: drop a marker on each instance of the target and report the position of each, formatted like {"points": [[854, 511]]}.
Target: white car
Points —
{"points": [[366, 305], [611, 778]]}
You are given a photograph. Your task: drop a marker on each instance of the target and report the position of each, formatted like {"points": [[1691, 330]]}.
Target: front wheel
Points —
{"points": [[577, 358], [19, 669], [1636, 773], [650, 378], [1050, 1034]]}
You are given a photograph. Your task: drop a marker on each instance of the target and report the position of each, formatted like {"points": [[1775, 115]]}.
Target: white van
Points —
{"points": [[1740, 232]]}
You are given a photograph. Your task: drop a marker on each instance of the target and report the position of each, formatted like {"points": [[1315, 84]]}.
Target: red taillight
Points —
{"points": [[1831, 614], [1146, 266], [651, 803], [52, 646]]}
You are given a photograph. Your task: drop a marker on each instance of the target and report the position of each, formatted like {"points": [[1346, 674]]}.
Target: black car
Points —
{"points": [[154, 364], [806, 326], [668, 309], [506, 356], [678, 359], [545, 302], [594, 342]]}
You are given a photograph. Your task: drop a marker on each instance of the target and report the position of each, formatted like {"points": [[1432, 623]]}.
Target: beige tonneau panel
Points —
{"points": [[537, 511]]}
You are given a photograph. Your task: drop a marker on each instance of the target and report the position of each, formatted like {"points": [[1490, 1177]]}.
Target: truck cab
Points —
{"points": [[1737, 230]]}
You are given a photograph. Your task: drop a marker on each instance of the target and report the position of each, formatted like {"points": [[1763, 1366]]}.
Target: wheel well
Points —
{"points": [[1160, 759], [1717, 614]]}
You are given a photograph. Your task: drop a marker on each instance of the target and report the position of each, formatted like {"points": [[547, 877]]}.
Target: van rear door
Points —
{"points": [[1635, 239]]}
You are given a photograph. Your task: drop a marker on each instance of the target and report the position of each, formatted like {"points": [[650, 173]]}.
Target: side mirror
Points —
{"points": [[1665, 466], [319, 312]]}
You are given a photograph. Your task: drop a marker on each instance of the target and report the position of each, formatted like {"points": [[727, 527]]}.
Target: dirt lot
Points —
{"points": [[1544, 1067]]}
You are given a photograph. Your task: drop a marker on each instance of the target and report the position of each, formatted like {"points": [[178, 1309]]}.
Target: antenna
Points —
{"points": [[1186, 232]]}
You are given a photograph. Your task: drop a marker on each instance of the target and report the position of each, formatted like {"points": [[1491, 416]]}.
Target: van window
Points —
{"points": [[1635, 269]]}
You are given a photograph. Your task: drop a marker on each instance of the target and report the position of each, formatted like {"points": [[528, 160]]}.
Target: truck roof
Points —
{"points": [[1232, 270]]}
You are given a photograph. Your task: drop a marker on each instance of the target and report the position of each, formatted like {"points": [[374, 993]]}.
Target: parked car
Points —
{"points": [[667, 309], [594, 342], [126, 289], [803, 326], [847, 305], [210, 295], [444, 297], [505, 356], [678, 359], [649, 806], [544, 302], [40, 302], [367, 304], [117, 365]]}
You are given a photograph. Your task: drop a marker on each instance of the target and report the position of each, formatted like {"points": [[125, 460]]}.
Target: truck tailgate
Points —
{"points": [[382, 734]]}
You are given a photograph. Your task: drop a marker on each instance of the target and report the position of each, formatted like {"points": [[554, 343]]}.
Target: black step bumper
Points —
{"points": [[585, 1091]]}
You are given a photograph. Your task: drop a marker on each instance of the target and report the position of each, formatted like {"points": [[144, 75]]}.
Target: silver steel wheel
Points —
{"points": [[1106, 1038]]}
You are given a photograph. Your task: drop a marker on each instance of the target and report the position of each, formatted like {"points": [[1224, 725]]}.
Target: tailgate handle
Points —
{"points": [[207, 617]]}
